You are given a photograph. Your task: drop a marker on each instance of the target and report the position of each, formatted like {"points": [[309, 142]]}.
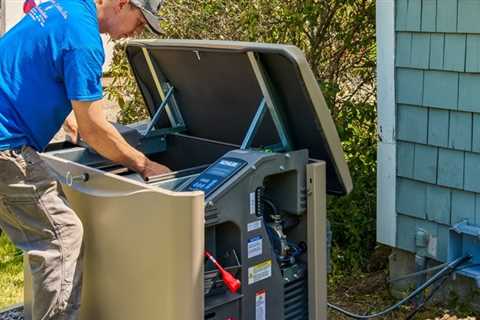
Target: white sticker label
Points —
{"points": [[252, 226], [260, 305], [252, 203], [260, 272], [432, 246], [255, 247]]}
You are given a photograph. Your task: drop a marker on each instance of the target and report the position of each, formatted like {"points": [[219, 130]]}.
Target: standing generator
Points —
{"points": [[237, 231]]}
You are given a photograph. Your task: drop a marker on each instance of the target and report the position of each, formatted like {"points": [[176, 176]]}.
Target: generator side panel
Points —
{"points": [[268, 236]]}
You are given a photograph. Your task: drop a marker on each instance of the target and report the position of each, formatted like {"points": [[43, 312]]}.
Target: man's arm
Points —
{"points": [[105, 139], [70, 127]]}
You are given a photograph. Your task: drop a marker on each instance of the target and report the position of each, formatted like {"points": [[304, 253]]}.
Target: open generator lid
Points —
{"points": [[219, 87]]}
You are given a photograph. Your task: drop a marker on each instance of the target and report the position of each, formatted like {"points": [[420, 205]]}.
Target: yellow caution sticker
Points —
{"points": [[260, 272]]}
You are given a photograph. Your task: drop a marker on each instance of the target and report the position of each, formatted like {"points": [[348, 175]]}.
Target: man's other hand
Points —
{"points": [[153, 169]]}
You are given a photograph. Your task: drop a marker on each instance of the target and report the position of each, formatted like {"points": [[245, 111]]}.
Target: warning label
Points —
{"points": [[252, 226], [260, 272], [260, 305], [255, 247], [252, 203]]}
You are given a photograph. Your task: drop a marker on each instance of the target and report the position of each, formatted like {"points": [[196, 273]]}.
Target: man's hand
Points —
{"points": [[70, 127], [153, 169]]}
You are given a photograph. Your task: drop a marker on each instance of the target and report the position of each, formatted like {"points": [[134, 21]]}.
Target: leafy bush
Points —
{"points": [[11, 273], [338, 38], [352, 217], [123, 88]]}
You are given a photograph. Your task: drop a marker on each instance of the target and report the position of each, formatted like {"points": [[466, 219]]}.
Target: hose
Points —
{"points": [[428, 298], [412, 275]]}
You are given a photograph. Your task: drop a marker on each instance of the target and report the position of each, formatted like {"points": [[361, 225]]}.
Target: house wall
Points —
{"points": [[437, 86], [13, 11], [386, 162]]}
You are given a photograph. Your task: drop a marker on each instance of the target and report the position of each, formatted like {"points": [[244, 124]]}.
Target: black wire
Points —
{"points": [[452, 266], [429, 297], [271, 205], [438, 287]]}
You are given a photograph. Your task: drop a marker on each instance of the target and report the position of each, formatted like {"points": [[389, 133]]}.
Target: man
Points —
{"points": [[51, 62]]}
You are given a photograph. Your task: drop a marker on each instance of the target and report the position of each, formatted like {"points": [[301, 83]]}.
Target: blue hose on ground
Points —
{"points": [[452, 265]]}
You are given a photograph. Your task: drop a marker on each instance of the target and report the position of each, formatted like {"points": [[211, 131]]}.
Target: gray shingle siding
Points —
{"points": [[438, 118]]}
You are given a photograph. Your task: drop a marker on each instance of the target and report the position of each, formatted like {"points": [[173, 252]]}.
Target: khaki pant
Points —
{"points": [[36, 216]]}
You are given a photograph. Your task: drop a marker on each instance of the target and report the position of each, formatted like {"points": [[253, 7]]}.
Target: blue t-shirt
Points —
{"points": [[53, 55]]}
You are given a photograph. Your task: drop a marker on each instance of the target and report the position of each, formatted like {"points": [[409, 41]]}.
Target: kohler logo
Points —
{"points": [[229, 163]]}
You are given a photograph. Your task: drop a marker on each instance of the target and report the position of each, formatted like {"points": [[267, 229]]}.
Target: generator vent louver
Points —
{"points": [[296, 300]]}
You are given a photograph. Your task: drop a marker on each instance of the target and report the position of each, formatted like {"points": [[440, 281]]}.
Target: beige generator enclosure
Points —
{"points": [[253, 152]]}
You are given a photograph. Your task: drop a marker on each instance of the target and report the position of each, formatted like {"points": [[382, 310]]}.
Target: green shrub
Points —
{"points": [[338, 38], [11, 273], [352, 218]]}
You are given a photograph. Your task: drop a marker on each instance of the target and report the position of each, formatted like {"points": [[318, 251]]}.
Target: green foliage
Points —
{"points": [[11, 274], [462, 305], [352, 217], [338, 38], [123, 89]]}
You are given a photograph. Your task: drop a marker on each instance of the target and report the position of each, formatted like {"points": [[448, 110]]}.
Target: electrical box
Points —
{"points": [[465, 240], [253, 150]]}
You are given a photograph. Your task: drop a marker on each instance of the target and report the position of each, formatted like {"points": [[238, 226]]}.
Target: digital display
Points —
{"points": [[216, 175]]}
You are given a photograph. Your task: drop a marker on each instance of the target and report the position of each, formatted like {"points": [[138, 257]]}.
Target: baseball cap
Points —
{"points": [[149, 9]]}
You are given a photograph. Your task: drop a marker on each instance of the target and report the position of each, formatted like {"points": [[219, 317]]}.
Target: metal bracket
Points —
{"points": [[272, 102], [257, 120], [168, 101], [156, 116]]}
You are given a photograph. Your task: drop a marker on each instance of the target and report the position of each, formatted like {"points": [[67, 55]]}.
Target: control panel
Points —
{"points": [[216, 175]]}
